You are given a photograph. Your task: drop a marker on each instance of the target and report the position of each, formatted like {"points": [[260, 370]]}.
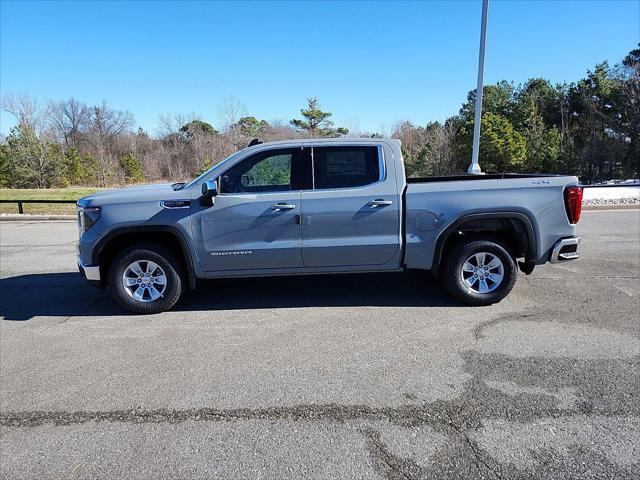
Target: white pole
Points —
{"points": [[474, 168]]}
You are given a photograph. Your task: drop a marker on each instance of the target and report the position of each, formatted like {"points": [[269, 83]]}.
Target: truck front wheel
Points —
{"points": [[479, 272], [145, 279]]}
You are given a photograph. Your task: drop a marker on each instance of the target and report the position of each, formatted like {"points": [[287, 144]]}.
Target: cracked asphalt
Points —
{"points": [[350, 377]]}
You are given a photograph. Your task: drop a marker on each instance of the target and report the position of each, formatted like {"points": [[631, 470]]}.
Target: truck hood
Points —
{"points": [[140, 193]]}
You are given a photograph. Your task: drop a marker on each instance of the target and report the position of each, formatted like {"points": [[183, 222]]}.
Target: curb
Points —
{"points": [[612, 206], [26, 217]]}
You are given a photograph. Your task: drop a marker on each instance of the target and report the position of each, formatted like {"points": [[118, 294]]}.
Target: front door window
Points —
{"points": [[263, 172]]}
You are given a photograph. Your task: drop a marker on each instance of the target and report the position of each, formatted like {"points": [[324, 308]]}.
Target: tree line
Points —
{"points": [[589, 128]]}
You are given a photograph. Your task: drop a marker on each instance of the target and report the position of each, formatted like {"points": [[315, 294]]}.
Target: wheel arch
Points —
{"points": [[517, 225], [166, 235]]}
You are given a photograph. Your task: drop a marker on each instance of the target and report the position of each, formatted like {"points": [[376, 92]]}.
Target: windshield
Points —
{"points": [[203, 175]]}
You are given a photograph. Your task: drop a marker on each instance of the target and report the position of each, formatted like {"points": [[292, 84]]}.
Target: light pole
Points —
{"points": [[474, 168]]}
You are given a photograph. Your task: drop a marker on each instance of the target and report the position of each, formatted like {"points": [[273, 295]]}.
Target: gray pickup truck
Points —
{"points": [[325, 206]]}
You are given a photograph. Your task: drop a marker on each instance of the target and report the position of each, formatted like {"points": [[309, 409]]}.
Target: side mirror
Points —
{"points": [[209, 191]]}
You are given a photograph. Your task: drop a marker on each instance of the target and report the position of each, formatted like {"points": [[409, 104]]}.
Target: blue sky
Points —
{"points": [[370, 63]]}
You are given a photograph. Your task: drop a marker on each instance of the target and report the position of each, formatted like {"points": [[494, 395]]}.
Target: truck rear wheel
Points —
{"points": [[479, 272], [145, 279]]}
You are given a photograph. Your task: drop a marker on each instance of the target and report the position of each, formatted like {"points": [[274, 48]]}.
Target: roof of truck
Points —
{"points": [[317, 141]]}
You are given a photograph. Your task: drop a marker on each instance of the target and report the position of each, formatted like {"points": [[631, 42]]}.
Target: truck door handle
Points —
{"points": [[379, 202], [282, 206]]}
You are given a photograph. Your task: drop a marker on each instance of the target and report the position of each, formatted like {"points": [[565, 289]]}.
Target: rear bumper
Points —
{"points": [[565, 250]]}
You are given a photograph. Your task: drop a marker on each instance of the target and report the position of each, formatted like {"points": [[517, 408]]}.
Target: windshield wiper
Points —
{"points": [[178, 186]]}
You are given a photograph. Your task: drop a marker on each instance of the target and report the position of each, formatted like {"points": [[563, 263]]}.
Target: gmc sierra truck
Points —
{"points": [[325, 206]]}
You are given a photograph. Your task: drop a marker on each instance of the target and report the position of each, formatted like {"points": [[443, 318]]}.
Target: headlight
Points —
{"points": [[87, 217]]}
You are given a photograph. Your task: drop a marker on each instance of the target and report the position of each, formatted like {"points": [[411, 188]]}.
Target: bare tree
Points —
{"points": [[279, 129], [428, 150], [440, 151], [230, 110], [105, 124], [26, 111], [352, 123], [68, 119], [170, 124], [413, 138], [171, 155]]}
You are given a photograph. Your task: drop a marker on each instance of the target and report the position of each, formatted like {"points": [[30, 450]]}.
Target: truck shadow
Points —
{"points": [[66, 294]]}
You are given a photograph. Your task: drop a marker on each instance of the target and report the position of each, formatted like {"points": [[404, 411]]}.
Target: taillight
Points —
{"points": [[573, 203]]}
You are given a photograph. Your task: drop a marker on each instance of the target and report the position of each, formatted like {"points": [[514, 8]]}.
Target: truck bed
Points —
{"points": [[488, 176], [433, 204]]}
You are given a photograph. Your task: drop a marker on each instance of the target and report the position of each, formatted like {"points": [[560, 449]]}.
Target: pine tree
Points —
{"points": [[206, 165], [317, 122], [132, 169], [74, 172]]}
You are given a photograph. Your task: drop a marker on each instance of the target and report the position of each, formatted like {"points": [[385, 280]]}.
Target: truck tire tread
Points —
{"points": [[463, 249], [157, 254]]}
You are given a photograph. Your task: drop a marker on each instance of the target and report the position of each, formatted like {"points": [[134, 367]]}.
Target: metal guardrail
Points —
{"points": [[21, 202]]}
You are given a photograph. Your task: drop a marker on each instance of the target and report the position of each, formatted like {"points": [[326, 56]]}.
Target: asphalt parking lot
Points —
{"points": [[356, 376]]}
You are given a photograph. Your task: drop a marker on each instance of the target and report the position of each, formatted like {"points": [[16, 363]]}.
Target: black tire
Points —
{"points": [[146, 252], [452, 276]]}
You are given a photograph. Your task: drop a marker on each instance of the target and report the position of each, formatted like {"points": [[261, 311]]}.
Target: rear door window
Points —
{"points": [[344, 167]]}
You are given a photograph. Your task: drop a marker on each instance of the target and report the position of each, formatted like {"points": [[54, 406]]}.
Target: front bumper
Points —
{"points": [[565, 250], [90, 273]]}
